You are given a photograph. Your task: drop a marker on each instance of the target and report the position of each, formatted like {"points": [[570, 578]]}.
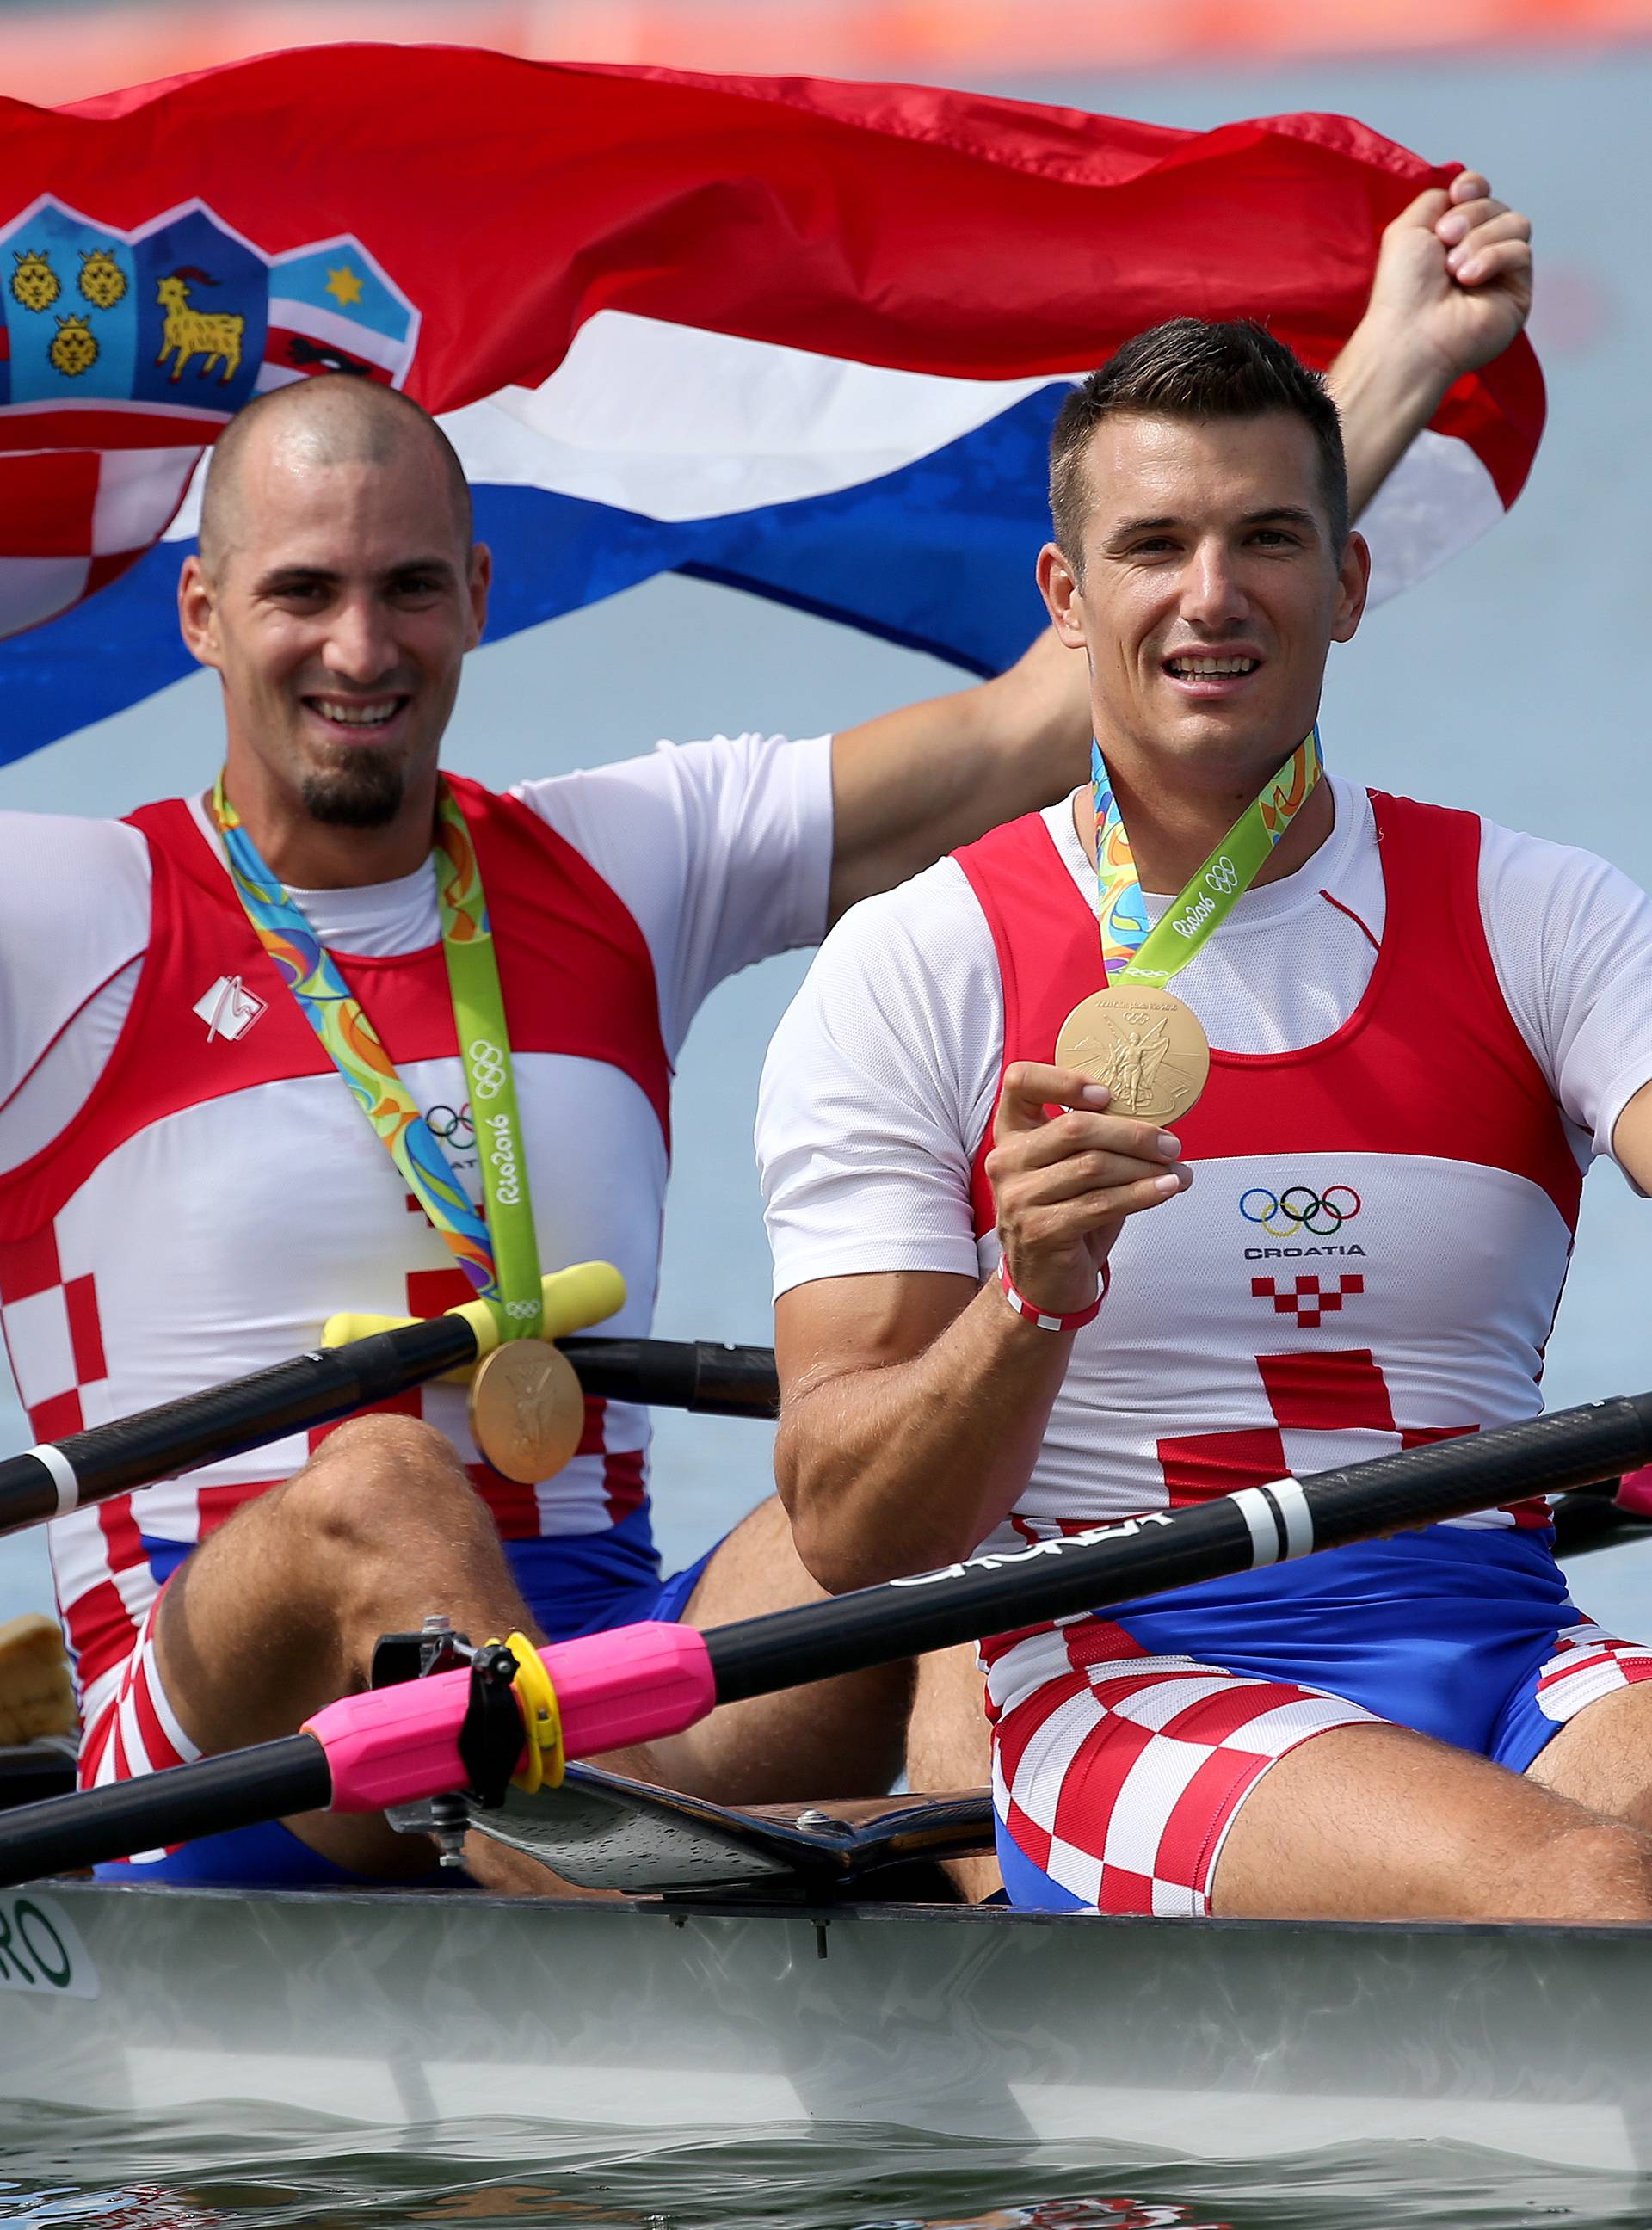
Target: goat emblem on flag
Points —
{"points": [[130, 349], [183, 313]]}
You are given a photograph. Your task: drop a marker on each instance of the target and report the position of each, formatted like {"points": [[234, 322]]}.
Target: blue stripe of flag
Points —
{"points": [[938, 556]]}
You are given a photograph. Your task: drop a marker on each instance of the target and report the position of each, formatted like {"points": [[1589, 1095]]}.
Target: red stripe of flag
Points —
{"points": [[47, 499], [901, 225]]}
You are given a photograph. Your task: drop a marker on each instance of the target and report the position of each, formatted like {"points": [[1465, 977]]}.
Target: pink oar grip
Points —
{"points": [[1634, 1492], [631, 1685], [395, 1745]]}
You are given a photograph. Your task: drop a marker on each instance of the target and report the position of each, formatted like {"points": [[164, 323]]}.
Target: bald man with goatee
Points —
{"points": [[190, 1186]]}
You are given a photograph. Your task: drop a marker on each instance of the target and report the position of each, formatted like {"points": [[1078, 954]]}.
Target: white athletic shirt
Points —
{"points": [[188, 1189], [882, 1080], [721, 850]]}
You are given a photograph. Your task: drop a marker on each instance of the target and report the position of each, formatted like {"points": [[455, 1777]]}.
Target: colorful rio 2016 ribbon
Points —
{"points": [[498, 1252], [1132, 954]]}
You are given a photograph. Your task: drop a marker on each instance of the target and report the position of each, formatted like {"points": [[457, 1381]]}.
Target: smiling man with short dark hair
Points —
{"points": [[1087, 1203]]}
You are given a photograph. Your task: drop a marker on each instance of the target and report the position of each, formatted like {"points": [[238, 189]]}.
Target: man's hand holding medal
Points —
{"points": [[1065, 1171]]}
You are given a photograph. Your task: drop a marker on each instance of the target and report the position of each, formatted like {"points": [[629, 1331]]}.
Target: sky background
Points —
{"points": [[1502, 685]]}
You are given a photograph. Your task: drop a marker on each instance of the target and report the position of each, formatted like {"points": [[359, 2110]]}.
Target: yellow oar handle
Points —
{"points": [[584, 1294]]}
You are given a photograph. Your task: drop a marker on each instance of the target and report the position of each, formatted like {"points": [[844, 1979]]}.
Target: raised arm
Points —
{"points": [[912, 785], [1452, 289]]}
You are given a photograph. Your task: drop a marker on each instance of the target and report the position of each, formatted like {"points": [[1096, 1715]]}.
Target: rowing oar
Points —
{"points": [[330, 1382], [477, 1727]]}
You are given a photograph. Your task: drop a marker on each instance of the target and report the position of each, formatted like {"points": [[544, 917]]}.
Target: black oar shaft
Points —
{"points": [[208, 1798], [679, 1373], [330, 1382], [1419, 1486], [289, 1397]]}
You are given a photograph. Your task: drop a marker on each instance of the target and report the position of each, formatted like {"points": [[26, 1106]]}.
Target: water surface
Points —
{"points": [[75, 2174]]}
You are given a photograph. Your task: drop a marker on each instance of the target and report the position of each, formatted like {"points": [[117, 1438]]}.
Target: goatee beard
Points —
{"points": [[362, 791]]}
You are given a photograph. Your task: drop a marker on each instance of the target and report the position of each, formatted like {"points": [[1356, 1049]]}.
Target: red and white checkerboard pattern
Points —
{"points": [[73, 519], [53, 1337], [1309, 1299], [1121, 1773], [1588, 1663], [1312, 1394], [136, 1732]]}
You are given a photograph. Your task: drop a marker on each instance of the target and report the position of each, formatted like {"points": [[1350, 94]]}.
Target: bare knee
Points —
{"points": [[378, 1478], [1597, 1870]]}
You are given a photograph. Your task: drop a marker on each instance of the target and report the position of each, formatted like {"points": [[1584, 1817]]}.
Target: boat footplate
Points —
{"points": [[601, 1831]]}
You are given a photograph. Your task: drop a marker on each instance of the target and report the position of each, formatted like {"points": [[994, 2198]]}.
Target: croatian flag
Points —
{"points": [[804, 338]]}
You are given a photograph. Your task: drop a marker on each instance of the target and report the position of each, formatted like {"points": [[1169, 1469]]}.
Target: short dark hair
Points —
{"points": [[1190, 369]]}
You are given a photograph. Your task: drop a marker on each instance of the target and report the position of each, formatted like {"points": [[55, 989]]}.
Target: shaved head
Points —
{"points": [[336, 590], [334, 419]]}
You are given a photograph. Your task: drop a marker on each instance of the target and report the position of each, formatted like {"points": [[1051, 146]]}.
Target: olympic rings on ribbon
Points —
{"points": [[446, 1123], [1221, 875], [488, 1069], [1301, 1207]]}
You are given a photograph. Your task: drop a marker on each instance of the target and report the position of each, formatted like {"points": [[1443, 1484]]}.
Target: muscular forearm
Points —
{"points": [[902, 1467]]}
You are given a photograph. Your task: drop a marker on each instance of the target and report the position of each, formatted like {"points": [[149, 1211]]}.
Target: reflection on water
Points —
{"points": [[65, 2172]]}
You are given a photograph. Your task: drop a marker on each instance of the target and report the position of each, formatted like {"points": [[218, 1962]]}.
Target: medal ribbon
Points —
{"points": [[1131, 953], [497, 1250]]}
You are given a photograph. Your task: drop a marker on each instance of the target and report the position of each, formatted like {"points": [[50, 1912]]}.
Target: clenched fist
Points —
{"points": [[1453, 276]]}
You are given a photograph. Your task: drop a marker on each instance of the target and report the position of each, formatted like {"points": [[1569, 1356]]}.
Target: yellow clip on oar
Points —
{"points": [[536, 1698], [584, 1294]]}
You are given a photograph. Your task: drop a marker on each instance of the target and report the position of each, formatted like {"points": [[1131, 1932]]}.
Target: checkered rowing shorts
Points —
{"points": [[1119, 1778], [1118, 1773]]}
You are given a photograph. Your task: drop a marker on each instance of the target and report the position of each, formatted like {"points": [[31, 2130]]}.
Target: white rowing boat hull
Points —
{"points": [[1237, 2041]]}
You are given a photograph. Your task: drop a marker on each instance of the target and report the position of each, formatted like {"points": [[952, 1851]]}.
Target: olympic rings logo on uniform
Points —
{"points": [[486, 1069], [1221, 875], [448, 1123], [1298, 1208]]}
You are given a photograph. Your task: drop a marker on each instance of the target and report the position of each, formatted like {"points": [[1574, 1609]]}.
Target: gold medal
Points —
{"points": [[527, 1413], [1149, 1050]]}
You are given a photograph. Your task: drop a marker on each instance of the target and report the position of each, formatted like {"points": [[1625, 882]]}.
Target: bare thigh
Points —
{"points": [[835, 1738], [1376, 1823]]}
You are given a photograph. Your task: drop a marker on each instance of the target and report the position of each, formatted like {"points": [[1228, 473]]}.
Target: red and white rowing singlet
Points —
{"points": [[1385, 1188], [218, 1194], [1374, 1245]]}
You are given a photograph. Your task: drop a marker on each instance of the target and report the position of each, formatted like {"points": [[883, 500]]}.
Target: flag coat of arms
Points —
{"points": [[804, 338]]}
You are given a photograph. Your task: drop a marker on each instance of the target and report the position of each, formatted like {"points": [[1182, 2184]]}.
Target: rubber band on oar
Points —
{"points": [[535, 1698]]}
